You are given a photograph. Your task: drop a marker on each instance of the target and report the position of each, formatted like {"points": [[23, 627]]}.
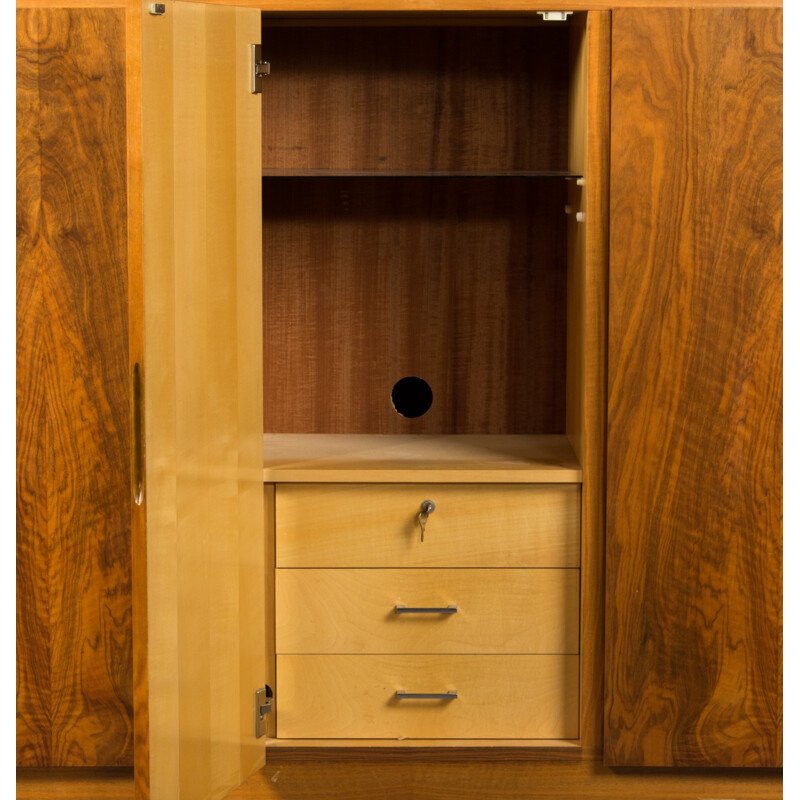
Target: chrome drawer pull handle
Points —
{"points": [[422, 610], [426, 695]]}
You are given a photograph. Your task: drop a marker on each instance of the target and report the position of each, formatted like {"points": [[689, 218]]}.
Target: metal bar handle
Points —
{"points": [[401, 695], [425, 610], [138, 437]]}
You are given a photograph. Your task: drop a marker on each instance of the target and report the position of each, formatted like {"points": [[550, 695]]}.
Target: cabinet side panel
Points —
{"points": [[693, 603], [74, 509], [587, 291]]}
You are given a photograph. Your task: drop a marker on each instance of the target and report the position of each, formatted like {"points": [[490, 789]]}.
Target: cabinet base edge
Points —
{"points": [[434, 750]]}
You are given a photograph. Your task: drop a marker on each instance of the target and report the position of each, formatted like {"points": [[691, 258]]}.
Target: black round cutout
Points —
{"points": [[411, 397]]}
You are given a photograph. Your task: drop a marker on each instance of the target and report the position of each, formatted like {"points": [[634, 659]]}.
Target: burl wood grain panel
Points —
{"points": [[73, 484], [693, 611], [409, 98], [459, 281]]}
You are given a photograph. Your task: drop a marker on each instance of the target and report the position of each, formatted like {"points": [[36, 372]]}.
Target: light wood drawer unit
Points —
{"points": [[497, 610], [376, 525], [498, 697]]}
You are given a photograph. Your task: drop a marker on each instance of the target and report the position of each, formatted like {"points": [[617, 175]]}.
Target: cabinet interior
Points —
{"points": [[420, 183], [417, 228]]}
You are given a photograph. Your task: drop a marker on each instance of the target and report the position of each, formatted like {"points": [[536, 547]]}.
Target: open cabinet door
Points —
{"points": [[203, 403]]}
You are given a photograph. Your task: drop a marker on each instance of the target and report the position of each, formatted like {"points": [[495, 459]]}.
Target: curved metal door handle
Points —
{"points": [[138, 438]]}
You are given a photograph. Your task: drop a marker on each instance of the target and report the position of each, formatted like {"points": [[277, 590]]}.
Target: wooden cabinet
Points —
{"points": [[399, 192]]}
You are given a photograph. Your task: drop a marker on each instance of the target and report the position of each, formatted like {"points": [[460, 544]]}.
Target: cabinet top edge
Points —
{"points": [[486, 7]]}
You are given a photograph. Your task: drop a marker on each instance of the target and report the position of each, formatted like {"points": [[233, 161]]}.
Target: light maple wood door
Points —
{"points": [[202, 382], [693, 587], [74, 637]]}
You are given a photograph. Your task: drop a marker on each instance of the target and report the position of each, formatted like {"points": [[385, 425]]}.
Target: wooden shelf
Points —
{"points": [[416, 173], [364, 458]]}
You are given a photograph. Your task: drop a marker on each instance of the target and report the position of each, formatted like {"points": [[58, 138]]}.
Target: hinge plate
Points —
{"points": [[259, 68], [264, 706]]}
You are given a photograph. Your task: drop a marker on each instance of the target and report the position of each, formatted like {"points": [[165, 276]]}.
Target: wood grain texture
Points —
{"points": [[75, 783], [693, 611], [499, 697], [74, 640], [379, 751], [404, 98], [375, 525], [434, 774], [412, 779], [419, 7], [404, 458], [269, 594], [64, 4], [587, 303], [353, 610], [133, 65], [202, 291], [459, 281]]}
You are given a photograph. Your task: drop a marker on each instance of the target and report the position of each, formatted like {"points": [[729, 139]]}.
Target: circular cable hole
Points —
{"points": [[411, 397]]}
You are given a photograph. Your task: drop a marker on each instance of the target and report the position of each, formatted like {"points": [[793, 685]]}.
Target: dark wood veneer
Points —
{"points": [[424, 98], [693, 611], [459, 281], [73, 442]]}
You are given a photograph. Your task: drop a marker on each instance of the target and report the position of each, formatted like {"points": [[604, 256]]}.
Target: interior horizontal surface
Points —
{"points": [[459, 281], [499, 696], [364, 458], [416, 97]]}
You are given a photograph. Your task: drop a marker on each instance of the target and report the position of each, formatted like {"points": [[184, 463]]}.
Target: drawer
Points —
{"points": [[376, 525], [495, 610], [498, 697]]}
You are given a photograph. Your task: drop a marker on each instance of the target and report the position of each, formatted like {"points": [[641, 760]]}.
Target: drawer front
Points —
{"points": [[369, 525], [475, 610], [498, 697]]}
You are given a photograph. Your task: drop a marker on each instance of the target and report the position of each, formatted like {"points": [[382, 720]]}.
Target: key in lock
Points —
{"points": [[427, 508]]}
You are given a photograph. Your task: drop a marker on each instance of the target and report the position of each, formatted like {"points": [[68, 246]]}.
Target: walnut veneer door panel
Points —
{"points": [[74, 663], [693, 597]]}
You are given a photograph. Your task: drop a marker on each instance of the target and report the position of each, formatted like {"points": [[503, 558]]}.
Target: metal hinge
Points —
{"points": [[260, 68], [264, 703], [554, 16]]}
